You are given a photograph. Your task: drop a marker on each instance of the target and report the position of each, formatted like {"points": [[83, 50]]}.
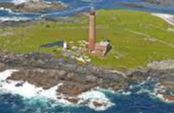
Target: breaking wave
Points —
{"points": [[7, 14], [14, 19], [17, 2]]}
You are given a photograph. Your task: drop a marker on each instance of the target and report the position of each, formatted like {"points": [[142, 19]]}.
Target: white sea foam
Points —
{"points": [[6, 9], [14, 18], [5, 74], [28, 90], [126, 93], [25, 89], [162, 98], [17, 2], [10, 11], [93, 96], [161, 89]]}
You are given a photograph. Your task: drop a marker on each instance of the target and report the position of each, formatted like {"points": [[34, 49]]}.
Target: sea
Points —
{"points": [[138, 98]]}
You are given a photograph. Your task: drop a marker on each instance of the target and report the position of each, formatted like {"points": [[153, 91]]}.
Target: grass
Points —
{"points": [[138, 38]]}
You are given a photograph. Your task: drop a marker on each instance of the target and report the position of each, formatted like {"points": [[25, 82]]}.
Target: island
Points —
{"points": [[139, 55]]}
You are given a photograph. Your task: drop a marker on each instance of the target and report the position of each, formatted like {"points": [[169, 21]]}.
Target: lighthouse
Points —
{"points": [[102, 48], [92, 30]]}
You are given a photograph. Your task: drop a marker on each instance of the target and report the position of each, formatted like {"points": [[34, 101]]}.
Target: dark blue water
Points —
{"points": [[76, 6], [140, 100], [133, 103]]}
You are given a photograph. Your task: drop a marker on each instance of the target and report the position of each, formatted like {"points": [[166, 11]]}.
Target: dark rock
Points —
{"points": [[39, 77], [139, 75], [98, 104], [19, 84], [74, 89]]}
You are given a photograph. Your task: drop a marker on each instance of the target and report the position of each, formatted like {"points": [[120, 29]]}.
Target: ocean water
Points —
{"points": [[133, 103], [76, 6], [124, 104]]}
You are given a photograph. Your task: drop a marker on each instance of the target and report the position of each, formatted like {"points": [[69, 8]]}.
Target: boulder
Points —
{"points": [[73, 88]]}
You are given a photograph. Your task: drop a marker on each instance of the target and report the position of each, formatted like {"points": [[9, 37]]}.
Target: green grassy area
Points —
{"points": [[137, 37]]}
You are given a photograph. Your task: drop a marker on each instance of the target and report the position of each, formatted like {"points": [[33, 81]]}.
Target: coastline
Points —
{"points": [[73, 84]]}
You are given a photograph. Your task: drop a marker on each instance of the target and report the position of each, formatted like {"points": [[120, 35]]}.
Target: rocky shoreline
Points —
{"points": [[46, 71], [81, 77]]}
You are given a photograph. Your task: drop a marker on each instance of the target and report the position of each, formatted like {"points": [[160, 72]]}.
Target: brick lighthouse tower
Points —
{"points": [[92, 30], [102, 48]]}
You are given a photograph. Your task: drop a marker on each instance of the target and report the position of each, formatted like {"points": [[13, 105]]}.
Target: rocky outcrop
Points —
{"points": [[44, 70], [33, 6], [74, 83]]}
